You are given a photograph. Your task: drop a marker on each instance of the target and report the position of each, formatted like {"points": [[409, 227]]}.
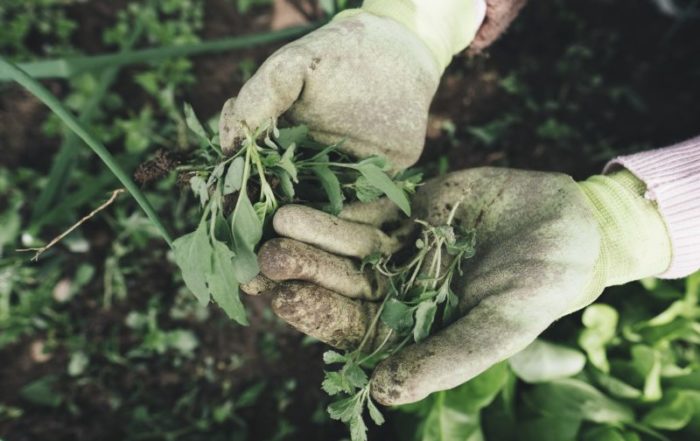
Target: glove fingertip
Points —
{"points": [[390, 384], [258, 285], [229, 137]]}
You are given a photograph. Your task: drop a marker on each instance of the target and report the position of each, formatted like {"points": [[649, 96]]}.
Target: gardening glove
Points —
{"points": [[546, 246], [313, 271], [366, 78]]}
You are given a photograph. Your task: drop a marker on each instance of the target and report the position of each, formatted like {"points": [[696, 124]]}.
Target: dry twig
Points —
{"points": [[58, 238]]}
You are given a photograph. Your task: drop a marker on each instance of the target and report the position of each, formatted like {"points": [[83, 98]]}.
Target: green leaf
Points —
{"points": [[10, 70], [374, 413], [245, 223], [245, 264], [481, 390], [365, 191], [673, 413], [292, 135], [358, 429], [193, 254], [286, 184], [600, 321], [223, 284], [544, 361], [453, 415], [193, 123], [355, 376], [78, 363], [376, 177], [575, 399], [603, 434], [446, 421], [343, 409], [216, 174], [615, 386], [548, 428], [464, 242], [425, 315], [270, 159], [397, 316], [334, 383], [247, 231], [11, 223], [331, 185], [200, 189], [330, 357], [234, 176], [647, 362], [286, 162], [378, 161], [250, 395], [42, 392]]}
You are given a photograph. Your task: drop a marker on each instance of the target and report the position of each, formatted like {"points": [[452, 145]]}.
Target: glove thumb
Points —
{"points": [[268, 94]]}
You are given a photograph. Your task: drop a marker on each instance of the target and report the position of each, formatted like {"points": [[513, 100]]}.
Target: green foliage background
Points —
{"points": [[100, 340]]}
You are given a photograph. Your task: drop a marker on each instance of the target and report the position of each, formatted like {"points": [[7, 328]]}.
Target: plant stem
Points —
{"points": [[34, 87]]}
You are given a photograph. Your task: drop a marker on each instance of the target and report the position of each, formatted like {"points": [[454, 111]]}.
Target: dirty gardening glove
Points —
{"points": [[366, 78], [313, 272], [546, 246]]}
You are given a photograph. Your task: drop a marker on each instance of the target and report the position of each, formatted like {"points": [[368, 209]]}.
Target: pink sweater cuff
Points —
{"points": [[672, 177]]}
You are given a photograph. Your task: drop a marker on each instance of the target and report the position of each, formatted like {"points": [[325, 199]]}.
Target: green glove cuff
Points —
{"points": [[446, 27], [635, 242]]}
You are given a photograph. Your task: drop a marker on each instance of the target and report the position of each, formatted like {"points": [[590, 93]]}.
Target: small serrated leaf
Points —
{"points": [[397, 316], [334, 383], [374, 413], [355, 376], [358, 429], [330, 357], [343, 409]]}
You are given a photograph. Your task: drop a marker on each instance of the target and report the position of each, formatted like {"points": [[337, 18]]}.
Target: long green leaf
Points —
{"points": [[29, 83], [67, 67], [331, 185], [376, 177], [65, 160]]}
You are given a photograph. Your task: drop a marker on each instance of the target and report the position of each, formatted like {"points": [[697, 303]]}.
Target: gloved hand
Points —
{"points": [[545, 246], [367, 78]]}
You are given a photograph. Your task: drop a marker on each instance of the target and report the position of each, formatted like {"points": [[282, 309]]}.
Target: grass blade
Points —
{"points": [[67, 67], [34, 87], [65, 160]]}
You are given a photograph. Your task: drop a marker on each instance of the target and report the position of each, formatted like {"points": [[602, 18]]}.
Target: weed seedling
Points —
{"points": [[415, 291], [239, 193]]}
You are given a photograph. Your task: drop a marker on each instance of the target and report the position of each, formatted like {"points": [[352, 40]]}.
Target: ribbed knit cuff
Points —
{"points": [[672, 178]]}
